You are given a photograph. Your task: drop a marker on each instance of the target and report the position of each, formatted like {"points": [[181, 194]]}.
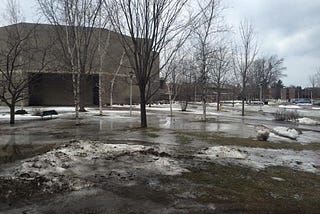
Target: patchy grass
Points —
{"points": [[184, 139], [221, 139], [152, 135], [239, 189], [149, 132]]}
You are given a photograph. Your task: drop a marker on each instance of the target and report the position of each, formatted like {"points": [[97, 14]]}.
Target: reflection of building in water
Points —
{"points": [[10, 151]]}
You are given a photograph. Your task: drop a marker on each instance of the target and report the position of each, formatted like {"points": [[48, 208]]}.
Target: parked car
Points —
{"points": [[302, 101]]}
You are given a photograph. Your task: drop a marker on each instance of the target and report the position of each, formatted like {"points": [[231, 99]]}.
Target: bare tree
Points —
{"points": [[74, 21], [103, 46], [145, 29], [181, 79], [19, 55], [13, 13], [244, 56], [221, 66], [205, 33], [314, 79], [115, 74], [265, 72]]}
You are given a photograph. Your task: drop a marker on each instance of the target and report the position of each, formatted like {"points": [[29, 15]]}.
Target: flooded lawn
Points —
{"points": [[178, 165]]}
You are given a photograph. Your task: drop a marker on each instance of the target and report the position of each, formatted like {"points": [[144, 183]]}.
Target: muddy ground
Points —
{"points": [[178, 165]]}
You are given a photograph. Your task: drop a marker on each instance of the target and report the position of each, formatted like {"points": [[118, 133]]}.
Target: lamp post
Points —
{"points": [[131, 77]]}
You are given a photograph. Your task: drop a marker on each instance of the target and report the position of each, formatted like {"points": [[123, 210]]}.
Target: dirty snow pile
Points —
{"points": [[307, 121], [72, 163], [286, 132], [260, 158], [165, 166], [222, 152], [263, 134]]}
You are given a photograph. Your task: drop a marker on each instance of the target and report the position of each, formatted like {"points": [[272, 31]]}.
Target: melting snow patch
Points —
{"points": [[259, 158], [307, 121], [289, 106], [277, 179], [80, 159], [286, 132], [166, 166], [223, 152]]}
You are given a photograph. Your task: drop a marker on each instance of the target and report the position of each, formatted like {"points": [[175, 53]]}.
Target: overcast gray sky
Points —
{"points": [[288, 28]]}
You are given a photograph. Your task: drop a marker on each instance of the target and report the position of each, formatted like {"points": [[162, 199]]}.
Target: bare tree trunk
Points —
{"points": [[82, 94], [204, 106], [12, 115], [114, 78], [242, 110], [218, 100], [170, 99], [76, 89], [100, 66], [204, 90], [100, 93], [111, 92], [243, 96], [195, 93], [143, 112]]}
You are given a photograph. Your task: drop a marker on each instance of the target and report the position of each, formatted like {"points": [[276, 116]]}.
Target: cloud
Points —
{"points": [[299, 68], [288, 28]]}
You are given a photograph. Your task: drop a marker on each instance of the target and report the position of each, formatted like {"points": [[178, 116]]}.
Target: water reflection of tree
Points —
{"points": [[10, 151]]}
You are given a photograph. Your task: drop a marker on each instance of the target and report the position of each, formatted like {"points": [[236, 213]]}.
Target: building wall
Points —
{"points": [[121, 90], [53, 85], [49, 89]]}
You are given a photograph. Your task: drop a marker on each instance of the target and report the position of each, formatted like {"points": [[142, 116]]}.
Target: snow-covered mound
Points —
{"points": [[286, 132], [260, 158], [307, 121], [81, 158]]}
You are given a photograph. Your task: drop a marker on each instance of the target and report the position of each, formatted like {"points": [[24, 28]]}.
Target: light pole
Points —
{"points": [[131, 77]]}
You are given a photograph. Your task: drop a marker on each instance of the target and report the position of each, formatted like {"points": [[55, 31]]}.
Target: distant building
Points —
{"points": [[291, 93], [273, 93], [311, 93], [54, 85]]}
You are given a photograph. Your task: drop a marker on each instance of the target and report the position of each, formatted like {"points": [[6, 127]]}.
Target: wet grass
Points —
{"points": [[238, 189], [184, 139], [151, 135], [222, 139], [142, 193]]}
